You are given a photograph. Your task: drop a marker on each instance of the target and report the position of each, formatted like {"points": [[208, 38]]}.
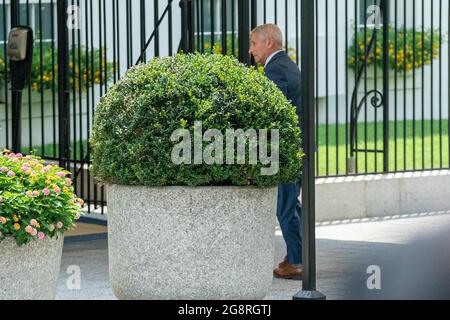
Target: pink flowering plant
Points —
{"points": [[37, 200]]}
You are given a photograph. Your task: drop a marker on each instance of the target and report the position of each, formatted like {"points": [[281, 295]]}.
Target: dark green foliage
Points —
{"points": [[135, 120]]}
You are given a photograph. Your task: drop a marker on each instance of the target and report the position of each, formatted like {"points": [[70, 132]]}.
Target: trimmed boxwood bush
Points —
{"points": [[134, 122]]}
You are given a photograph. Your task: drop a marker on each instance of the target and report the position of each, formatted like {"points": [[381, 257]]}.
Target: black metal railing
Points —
{"points": [[73, 67]]}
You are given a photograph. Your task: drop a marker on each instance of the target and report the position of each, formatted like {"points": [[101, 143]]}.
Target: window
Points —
{"points": [[217, 15], [44, 24], [38, 17]]}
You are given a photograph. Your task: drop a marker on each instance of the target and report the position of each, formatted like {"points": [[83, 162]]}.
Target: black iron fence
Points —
{"points": [[381, 85]]}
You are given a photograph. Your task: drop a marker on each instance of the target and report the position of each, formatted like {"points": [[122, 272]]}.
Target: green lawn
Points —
{"points": [[431, 152], [331, 158], [51, 150]]}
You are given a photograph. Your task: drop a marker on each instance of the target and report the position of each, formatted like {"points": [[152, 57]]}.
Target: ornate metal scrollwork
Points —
{"points": [[377, 101]]}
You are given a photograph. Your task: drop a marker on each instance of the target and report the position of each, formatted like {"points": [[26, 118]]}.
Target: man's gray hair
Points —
{"points": [[269, 31]]}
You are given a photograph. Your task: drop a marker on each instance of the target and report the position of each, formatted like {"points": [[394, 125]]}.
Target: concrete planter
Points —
{"points": [[191, 243], [30, 272]]}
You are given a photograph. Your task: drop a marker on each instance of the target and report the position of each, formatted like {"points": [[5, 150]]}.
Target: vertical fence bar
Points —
{"points": [[253, 15], [244, 30], [386, 68], [170, 28], [127, 15], [187, 25], [73, 84], [265, 11], [224, 26], [275, 10], [118, 40], [41, 70], [197, 35], [346, 88], [366, 169], [94, 72], [105, 57], [84, 157], [441, 164], [191, 25], [213, 23], [336, 6], [143, 25], [80, 118], [233, 27], [91, 110], [15, 19], [30, 113], [423, 84], [355, 143], [286, 25], [308, 194], [5, 79], [114, 26], [432, 86], [414, 86], [253, 23], [297, 35], [395, 86], [63, 84], [375, 74], [16, 98], [317, 77], [155, 25], [327, 113]]}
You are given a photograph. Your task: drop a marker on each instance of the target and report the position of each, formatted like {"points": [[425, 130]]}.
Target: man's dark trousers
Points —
{"points": [[286, 75]]}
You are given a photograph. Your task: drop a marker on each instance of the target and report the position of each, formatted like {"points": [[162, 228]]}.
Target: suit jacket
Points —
{"points": [[286, 75]]}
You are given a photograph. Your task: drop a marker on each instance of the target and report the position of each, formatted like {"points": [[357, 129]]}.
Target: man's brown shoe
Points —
{"points": [[288, 271], [283, 263]]}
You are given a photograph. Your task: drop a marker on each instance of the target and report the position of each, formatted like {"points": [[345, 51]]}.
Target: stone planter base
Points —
{"points": [[191, 243], [30, 272]]}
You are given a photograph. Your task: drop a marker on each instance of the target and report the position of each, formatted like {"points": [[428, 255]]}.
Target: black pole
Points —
{"points": [[187, 26], [63, 84], [16, 98], [386, 66], [14, 13], [191, 25], [244, 30], [309, 291], [253, 23]]}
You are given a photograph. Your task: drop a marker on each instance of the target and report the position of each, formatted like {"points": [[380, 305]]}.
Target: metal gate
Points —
{"points": [[82, 47]]}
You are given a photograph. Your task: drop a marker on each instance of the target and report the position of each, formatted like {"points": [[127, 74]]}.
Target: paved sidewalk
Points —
{"points": [[344, 252]]}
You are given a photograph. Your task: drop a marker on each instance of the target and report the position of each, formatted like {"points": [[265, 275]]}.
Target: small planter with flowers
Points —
{"points": [[37, 205]]}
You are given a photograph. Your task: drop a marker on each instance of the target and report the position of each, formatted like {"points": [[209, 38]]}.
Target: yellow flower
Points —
{"points": [[16, 226], [15, 218]]}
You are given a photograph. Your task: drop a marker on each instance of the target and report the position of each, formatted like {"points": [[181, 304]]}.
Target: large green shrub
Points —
{"points": [[134, 122]]}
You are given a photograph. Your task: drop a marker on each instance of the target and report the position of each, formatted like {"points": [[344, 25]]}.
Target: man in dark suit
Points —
{"points": [[267, 49]]}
